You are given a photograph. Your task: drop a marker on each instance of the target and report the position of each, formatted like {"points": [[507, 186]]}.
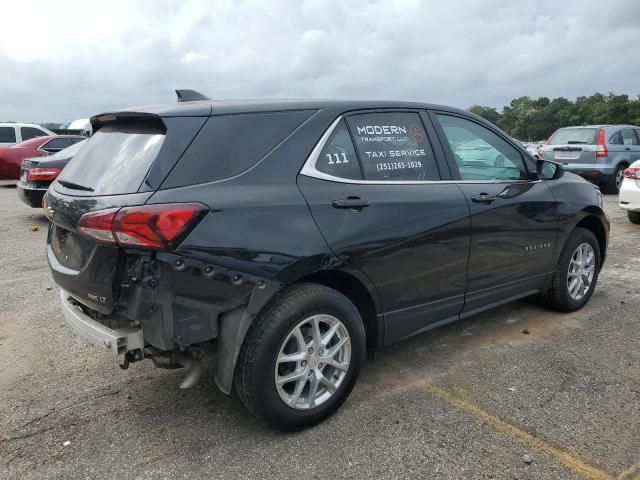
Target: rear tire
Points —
{"points": [[615, 182], [558, 296], [634, 217], [296, 326]]}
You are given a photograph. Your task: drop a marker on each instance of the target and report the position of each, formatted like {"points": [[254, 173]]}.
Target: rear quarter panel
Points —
{"points": [[259, 221]]}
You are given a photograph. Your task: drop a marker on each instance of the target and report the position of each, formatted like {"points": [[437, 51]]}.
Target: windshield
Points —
{"points": [[114, 160], [568, 136]]}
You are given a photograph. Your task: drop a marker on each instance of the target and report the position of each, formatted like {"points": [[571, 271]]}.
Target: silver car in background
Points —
{"points": [[599, 153]]}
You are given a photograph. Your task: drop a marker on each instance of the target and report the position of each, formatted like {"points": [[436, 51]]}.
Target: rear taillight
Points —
{"points": [[601, 147], [39, 174], [633, 173], [541, 150], [148, 226]]}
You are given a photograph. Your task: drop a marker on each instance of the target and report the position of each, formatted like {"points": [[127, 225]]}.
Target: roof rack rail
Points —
{"points": [[190, 96]]}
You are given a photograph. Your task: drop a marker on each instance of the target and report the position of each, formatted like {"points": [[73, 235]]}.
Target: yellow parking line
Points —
{"points": [[571, 462], [631, 473]]}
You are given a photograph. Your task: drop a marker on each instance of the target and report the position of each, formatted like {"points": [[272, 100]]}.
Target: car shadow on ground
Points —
{"points": [[210, 409]]}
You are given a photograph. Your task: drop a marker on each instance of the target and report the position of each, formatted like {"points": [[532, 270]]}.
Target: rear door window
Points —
{"points": [[230, 144], [393, 147], [615, 139], [338, 157], [7, 135], [120, 156], [28, 133], [628, 137]]}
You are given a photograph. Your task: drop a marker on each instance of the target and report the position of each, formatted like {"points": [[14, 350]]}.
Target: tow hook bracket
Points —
{"points": [[131, 357]]}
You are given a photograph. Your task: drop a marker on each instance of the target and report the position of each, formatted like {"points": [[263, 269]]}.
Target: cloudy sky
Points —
{"points": [[63, 60]]}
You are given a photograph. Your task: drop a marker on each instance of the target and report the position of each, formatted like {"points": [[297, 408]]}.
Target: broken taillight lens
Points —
{"points": [[147, 226]]}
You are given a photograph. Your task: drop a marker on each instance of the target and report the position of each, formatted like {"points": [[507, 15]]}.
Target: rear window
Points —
{"points": [[67, 152], [57, 144], [7, 135], [569, 136], [115, 159], [230, 144], [393, 147]]}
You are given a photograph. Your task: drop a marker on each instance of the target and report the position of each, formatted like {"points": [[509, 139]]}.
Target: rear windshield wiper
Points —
{"points": [[74, 186], [573, 142]]}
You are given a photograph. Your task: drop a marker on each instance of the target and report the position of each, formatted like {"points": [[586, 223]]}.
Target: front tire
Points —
{"points": [[634, 217], [576, 273], [301, 357]]}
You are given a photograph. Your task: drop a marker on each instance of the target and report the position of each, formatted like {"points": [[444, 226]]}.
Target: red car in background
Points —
{"points": [[11, 157]]}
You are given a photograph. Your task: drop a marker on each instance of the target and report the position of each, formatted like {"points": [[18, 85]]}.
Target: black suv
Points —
{"points": [[292, 236]]}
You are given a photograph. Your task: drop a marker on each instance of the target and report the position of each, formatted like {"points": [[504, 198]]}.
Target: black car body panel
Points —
{"points": [[79, 265], [393, 250], [413, 254]]}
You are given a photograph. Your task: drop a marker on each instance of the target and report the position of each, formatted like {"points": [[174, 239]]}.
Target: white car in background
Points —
{"points": [[629, 197], [12, 133], [82, 124]]}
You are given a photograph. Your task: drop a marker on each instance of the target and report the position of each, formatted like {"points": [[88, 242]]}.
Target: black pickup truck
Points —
{"points": [[293, 236]]}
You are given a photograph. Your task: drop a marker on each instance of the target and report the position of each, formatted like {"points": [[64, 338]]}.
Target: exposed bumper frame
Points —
{"points": [[118, 341]]}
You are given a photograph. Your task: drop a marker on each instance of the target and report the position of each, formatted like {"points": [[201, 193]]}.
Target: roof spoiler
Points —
{"points": [[190, 96], [99, 121]]}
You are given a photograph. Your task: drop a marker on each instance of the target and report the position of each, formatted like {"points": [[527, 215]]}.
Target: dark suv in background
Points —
{"points": [[294, 235]]}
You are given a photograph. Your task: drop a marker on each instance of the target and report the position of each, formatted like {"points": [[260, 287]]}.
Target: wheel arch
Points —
{"points": [[361, 293], [594, 220]]}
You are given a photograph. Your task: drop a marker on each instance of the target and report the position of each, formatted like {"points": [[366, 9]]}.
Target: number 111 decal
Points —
{"points": [[337, 157]]}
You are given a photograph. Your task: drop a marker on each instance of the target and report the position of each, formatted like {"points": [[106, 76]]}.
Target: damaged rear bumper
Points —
{"points": [[117, 340], [168, 305]]}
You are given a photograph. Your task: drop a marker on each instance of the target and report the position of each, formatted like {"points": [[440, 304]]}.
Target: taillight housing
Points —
{"points": [[601, 147], [42, 174], [147, 226], [633, 173], [541, 151]]}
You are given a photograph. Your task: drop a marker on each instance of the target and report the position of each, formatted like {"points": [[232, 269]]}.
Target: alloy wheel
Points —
{"points": [[312, 362], [582, 268], [619, 178]]}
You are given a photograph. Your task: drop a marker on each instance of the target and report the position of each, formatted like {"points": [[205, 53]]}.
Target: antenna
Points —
{"points": [[190, 96]]}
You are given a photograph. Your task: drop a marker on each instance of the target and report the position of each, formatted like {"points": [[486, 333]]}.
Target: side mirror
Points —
{"points": [[548, 170]]}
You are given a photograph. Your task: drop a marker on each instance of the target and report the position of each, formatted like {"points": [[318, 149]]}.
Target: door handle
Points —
{"points": [[353, 203], [627, 148], [483, 198]]}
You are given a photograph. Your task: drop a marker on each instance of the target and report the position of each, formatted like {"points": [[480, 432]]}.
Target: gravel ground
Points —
{"points": [[476, 399]]}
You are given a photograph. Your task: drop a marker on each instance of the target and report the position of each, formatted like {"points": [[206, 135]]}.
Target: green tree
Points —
{"points": [[536, 119], [488, 113]]}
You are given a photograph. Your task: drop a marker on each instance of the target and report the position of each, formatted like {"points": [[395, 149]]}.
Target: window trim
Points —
{"points": [[309, 167]]}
